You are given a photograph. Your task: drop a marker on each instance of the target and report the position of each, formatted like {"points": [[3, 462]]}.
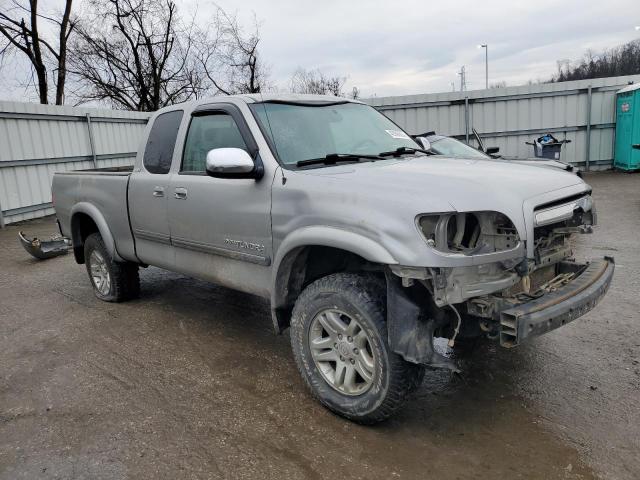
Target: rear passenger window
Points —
{"points": [[161, 142], [206, 132]]}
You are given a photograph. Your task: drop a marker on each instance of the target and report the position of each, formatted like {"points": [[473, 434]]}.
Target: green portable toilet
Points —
{"points": [[627, 128]]}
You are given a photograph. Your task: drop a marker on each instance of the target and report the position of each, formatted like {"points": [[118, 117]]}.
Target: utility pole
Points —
{"points": [[486, 64], [463, 78]]}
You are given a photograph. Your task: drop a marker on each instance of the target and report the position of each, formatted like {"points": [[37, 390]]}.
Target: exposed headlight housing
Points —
{"points": [[469, 233]]}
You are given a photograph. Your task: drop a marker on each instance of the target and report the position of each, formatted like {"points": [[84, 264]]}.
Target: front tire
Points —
{"points": [[112, 281], [339, 341]]}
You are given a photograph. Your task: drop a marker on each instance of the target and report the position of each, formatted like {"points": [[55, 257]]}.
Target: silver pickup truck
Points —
{"points": [[367, 246]]}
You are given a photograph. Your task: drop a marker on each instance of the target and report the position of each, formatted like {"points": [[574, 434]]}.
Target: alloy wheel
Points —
{"points": [[341, 350]]}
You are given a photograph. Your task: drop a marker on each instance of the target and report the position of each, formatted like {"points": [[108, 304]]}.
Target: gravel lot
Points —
{"points": [[190, 382]]}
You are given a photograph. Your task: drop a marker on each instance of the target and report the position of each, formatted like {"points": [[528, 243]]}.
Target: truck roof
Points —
{"points": [[292, 97], [260, 97]]}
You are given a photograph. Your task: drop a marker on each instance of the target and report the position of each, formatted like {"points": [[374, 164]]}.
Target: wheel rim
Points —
{"points": [[99, 273], [342, 352]]}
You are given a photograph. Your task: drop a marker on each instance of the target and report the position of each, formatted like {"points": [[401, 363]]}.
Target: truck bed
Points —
{"points": [[101, 191]]}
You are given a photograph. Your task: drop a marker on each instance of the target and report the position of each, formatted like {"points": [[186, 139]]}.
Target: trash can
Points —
{"points": [[627, 128], [547, 146]]}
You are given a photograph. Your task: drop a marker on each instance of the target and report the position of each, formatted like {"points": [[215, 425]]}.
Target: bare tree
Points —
{"points": [[142, 55], [20, 29], [231, 61], [136, 54], [315, 81]]}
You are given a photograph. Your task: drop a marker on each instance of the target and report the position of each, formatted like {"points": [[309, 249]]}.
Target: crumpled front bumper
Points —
{"points": [[557, 308]]}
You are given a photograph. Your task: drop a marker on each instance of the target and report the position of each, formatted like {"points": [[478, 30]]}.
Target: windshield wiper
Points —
{"points": [[404, 150], [333, 158]]}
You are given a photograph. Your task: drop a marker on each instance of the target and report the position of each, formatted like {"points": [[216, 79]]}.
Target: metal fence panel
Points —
{"points": [[38, 140], [582, 111]]}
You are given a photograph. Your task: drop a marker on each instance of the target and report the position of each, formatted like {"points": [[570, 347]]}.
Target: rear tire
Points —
{"points": [[338, 327], [112, 281]]}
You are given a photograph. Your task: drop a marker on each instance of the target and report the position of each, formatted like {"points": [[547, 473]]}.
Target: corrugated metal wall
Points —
{"points": [[582, 111], [38, 140]]}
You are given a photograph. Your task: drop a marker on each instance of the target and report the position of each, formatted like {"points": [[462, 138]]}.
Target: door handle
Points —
{"points": [[158, 191], [180, 193]]}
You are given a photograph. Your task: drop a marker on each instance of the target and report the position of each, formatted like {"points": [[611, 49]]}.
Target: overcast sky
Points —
{"points": [[408, 47]]}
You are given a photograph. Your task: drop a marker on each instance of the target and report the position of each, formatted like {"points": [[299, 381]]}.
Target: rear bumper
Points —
{"points": [[557, 308]]}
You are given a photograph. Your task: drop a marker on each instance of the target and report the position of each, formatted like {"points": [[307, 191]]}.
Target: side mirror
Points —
{"points": [[426, 144], [230, 163], [492, 150]]}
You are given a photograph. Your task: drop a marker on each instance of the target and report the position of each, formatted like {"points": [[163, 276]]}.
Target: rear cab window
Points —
{"points": [[161, 142]]}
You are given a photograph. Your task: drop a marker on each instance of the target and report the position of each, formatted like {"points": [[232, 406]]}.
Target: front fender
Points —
{"points": [[97, 217], [288, 259], [327, 236]]}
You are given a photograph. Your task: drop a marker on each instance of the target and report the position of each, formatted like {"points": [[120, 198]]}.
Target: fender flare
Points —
{"points": [[97, 217], [324, 236]]}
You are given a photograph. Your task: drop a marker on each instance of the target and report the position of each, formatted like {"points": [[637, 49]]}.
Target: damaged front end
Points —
{"points": [[493, 288]]}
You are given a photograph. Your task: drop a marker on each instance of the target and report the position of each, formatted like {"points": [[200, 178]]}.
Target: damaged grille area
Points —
{"points": [[551, 266], [556, 223]]}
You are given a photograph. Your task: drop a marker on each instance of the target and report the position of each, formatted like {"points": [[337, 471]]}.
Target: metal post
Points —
{"points": [[588, 146], [486, 66], [466, 119], [1, 218], [91, 143]]}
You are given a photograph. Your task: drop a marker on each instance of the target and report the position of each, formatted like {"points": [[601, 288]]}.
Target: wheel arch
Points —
{"points": [[85, 220], [312, 252]]}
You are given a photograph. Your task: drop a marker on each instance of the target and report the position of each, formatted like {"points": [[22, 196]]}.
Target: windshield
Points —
{"points": [[304, 132], [453, 148]]}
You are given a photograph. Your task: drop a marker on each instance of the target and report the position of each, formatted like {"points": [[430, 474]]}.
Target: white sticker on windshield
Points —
{"points": [[398, 134]]}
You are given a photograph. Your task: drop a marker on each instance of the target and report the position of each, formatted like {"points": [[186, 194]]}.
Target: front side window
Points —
{"points": [[302, 132], [206, 132], [161, 142]]}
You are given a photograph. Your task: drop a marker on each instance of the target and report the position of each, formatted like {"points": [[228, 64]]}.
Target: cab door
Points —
{"points": [[148, 193], [220, 227]]}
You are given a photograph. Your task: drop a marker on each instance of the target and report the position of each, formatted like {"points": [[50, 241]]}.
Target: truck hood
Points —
{"points": [[464, 184], [379, 202]]}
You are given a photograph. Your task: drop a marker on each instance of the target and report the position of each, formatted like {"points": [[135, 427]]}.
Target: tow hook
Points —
{"points": [[44, 249]]}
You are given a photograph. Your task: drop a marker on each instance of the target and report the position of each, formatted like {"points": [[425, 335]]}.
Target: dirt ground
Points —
{"points": [[189, 381]]}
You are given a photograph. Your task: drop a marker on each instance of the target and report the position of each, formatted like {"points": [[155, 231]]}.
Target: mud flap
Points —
{"points": [[410, 331], [43, 250]]}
